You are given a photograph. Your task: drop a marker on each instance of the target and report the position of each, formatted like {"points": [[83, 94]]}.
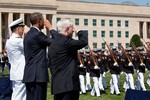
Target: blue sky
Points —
{"points": [[139, 2]]}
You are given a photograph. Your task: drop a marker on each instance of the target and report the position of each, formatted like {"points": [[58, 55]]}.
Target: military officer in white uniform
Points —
{"points": [[16, 58]]}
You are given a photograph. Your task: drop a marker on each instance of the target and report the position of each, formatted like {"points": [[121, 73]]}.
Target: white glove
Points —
{"points": [[146, 69], [116, 64], [81, 65], [137, 71], [96, 67], [142, 64], [130, 64], [104, 73], [122, 72]]}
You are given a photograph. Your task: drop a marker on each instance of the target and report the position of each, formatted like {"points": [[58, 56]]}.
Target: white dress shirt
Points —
{"points": [[16, 56]]}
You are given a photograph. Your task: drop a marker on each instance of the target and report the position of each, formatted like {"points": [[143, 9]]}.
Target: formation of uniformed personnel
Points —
{"points": [[97, 62]]}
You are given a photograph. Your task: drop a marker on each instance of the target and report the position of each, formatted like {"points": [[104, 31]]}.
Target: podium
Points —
{"points": [[5, 88], [137, 95]]}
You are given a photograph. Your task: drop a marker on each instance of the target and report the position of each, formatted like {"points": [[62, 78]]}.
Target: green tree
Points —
{"points": [[136, 40]]}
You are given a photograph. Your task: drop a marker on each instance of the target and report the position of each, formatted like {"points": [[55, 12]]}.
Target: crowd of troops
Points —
{"points": [[4, 63], [94, 64]]}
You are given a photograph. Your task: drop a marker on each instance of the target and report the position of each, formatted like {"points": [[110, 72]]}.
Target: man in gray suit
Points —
{"points": [[63, 56]]}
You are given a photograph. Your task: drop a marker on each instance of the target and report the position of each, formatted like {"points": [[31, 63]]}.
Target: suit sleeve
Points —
{"points": [[43, 39], [78, 44], [53, 33]]}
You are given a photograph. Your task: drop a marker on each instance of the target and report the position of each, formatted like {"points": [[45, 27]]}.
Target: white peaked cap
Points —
{"points": [[16, 22]]}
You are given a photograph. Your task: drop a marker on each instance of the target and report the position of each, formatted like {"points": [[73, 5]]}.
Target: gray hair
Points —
{"points": [[63, 24]]}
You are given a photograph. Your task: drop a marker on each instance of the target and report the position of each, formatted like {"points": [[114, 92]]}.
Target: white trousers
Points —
{"points": [[95, 88], [129, 81], [100, 83], [114, 84], [19, 90], [88, 82], [82, 83], [140, 81]]}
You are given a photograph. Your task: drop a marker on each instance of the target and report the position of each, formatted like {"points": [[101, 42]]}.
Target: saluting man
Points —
{"points": [[16, 58]]}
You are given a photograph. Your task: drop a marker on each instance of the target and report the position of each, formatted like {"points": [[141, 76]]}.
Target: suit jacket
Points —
{"points": [[36, 68], [64, 67]]}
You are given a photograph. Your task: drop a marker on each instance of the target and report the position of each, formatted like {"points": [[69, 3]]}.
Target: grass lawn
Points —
{"points": [[106, 96]]}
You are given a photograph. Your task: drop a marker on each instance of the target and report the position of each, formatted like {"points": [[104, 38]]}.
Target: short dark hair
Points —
{"points": [[13, 29], [36, 17]]}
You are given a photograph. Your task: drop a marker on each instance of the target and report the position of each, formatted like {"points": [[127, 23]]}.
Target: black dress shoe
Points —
{"points": [[119, 94]]}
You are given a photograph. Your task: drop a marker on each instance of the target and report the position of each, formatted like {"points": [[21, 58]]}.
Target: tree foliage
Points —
{"points": [[136, 40]]}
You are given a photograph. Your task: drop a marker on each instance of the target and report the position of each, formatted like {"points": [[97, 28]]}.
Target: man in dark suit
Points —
{"points": [[36, 68], [63, 56]]}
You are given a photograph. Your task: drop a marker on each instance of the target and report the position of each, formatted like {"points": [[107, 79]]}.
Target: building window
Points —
{"points": [[3, 33], [76, 21], [94, 33], [58, 19], [111, 34], [102, 33], [16, 16], [111, 44], [3, 19], [103, 45], [148, 30], [126, 23], [110, 22], [94, 45], [119, 23], [86, 31], [94, 22], [127, 45], [102, 22], [86, 22], [3, 45], [127, 34], [119, 33]]}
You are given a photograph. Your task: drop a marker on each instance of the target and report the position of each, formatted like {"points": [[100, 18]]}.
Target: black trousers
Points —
{"points": [[71, 95], [36, 91]]}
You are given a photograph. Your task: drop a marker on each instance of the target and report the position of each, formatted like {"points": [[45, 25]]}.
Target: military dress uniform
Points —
{"points": [[115, 71], [95, 74], [82, 71], [105, 68], [140, 68], [102, 70], [87, 65], [128, 69], [15, 50]]}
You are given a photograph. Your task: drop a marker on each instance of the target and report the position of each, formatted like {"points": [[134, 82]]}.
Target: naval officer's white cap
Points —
{"points": [[18, 22]]}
